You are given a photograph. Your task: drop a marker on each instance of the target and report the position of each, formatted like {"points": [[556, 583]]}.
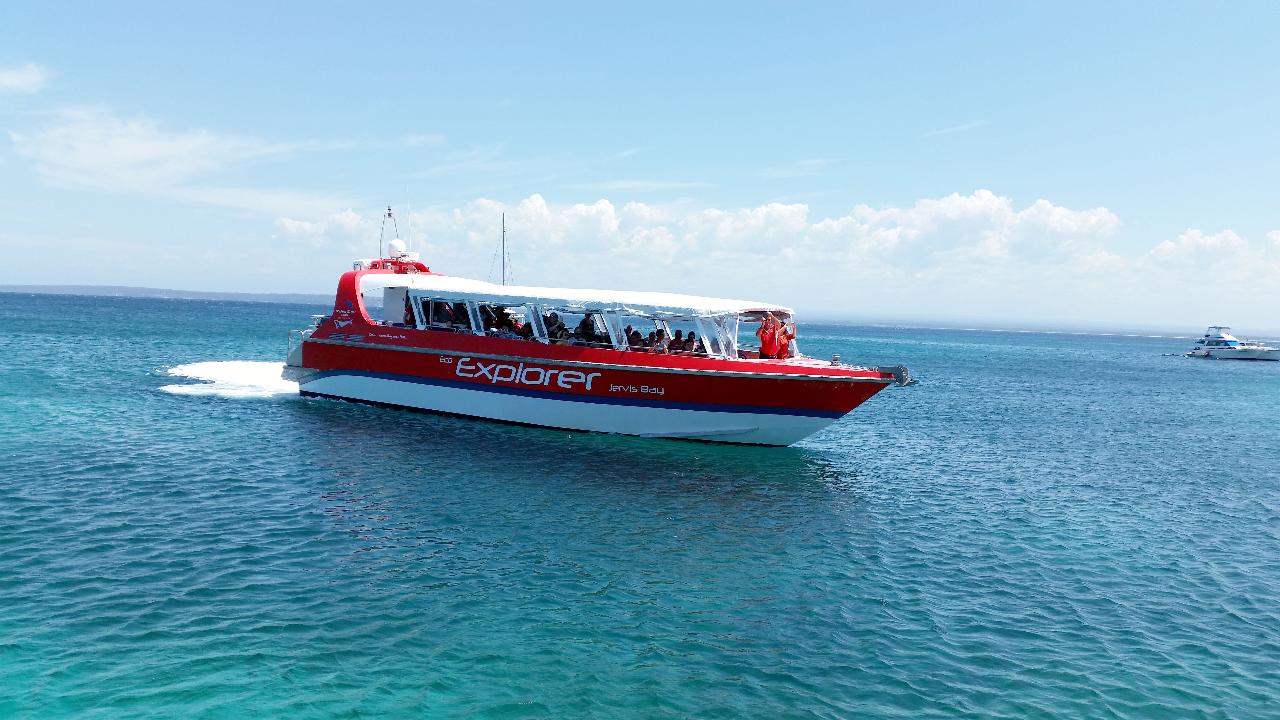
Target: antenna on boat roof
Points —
{"points": [[408, 219], [383, 228]]}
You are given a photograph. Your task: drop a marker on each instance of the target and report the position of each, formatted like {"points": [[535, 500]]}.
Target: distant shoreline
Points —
{"points": [[125, 291], [970, 324]]}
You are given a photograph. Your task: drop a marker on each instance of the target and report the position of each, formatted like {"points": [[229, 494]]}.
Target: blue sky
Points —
{"points": [[1026, 162]]}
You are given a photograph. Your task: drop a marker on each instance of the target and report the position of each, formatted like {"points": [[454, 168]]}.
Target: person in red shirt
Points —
{"points": [[785, 336], [768, 334]]}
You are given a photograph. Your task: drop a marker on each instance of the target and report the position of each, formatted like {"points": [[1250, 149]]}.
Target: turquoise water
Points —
{"points": [[1046, 526]]}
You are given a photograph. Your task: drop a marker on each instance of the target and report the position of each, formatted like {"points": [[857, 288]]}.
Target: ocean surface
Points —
{"points": [[1047, 525]]}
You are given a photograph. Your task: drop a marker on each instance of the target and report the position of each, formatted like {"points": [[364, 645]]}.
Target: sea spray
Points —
{"points": [[232, 379]]}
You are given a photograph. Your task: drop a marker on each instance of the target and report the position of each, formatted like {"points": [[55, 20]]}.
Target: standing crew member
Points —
{"points": [[768, 334], [785, 337]]}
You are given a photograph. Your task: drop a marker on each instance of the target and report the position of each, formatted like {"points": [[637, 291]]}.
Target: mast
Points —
{"points": [[504, 248]]}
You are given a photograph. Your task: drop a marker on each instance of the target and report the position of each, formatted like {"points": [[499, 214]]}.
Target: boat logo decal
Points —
{"points": [[341, 323], [522, 374]]}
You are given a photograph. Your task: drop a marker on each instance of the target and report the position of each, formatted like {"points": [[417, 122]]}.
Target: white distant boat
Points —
{"points": [[1218, 343]]}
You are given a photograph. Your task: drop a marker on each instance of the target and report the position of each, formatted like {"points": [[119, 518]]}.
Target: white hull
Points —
{"points": [[1237, 353], [733, 427]]}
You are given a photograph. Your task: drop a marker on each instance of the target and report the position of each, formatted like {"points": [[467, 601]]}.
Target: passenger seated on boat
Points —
{"points": [[633, 338], [660, 341], [557, 333], [505, 326], [492, 318], [442, 316], [585, 333], [676, 345], [693, 345]]}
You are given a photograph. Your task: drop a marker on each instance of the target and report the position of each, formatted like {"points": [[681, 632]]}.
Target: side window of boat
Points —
{"points": [[683, 329], [424, 313], [445, 317], [715, 336], [584, 328], [443, 314], [509, 321], [642, 324]]}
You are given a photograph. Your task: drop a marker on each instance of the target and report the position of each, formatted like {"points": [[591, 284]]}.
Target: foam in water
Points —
{"points": [[232, 379]]}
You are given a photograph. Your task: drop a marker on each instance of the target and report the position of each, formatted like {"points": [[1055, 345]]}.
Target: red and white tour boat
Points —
{"points": [[506, 353]]}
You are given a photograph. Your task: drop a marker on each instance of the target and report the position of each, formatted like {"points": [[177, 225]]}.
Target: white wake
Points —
{"points": [[232, 379]]}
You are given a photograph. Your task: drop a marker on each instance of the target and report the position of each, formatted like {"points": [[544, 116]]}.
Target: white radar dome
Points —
{"points": [[396, 248]]}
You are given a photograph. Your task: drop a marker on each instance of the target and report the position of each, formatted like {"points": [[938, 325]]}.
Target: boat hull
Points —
{"points": [[582, 393], [597, 388], [580, 413], [1239, 354]]}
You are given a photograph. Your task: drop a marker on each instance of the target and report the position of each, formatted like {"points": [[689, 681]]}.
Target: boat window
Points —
{"points": [[443, 314], [584, 328], [554, 327], [513, 322], [639, 331], [748, 343], [685, 336], [717, 334]]}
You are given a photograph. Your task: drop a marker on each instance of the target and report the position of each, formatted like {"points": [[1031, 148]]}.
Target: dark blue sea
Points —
{"points": [[1047, 525]]}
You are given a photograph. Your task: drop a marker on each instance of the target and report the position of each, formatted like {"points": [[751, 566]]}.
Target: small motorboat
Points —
{"points": [[1218, 343]]}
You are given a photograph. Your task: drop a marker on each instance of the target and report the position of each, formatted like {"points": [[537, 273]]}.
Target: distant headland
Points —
{"points": [[161, 293]]}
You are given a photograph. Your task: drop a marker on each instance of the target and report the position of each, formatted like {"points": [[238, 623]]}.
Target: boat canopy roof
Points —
{"points": [[645, 303]]}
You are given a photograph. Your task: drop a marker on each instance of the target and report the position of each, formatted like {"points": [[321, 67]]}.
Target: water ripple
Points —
{"points": [[1047, 527]]}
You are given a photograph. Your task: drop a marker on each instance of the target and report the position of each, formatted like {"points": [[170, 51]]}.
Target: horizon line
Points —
{"points": [[915, 322]]}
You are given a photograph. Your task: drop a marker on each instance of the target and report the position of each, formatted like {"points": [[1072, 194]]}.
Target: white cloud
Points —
{"points": [[1195, 244], [90, 147], [655, 245], [981, 226], [345, 231], [1101, 260], [978, 253], [300, 228], [1235, 264], [95, 149], [26, 78], [956, 128]]}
